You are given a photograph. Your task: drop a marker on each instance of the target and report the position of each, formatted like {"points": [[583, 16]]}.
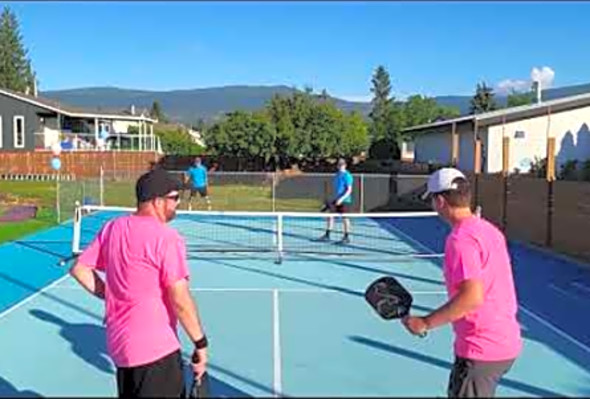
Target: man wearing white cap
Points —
{"points": [[482, 305]]}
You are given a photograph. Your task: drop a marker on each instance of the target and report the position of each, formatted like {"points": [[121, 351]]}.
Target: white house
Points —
{"points": [[525, 129]]}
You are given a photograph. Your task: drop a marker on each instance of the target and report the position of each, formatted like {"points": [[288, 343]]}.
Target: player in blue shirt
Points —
{"points": [[197, 174], [342, 201]]}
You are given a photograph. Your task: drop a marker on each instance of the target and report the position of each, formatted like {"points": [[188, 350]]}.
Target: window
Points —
{"points": [[519, 134], [19, 131]]}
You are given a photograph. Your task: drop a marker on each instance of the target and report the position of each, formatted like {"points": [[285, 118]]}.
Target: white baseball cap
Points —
{"points": [[442, 180]]}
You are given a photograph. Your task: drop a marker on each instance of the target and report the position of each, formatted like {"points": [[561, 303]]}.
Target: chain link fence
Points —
{"points": [[252, 191]]}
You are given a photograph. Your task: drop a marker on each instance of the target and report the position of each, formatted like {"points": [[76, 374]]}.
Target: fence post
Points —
{"points": [[550, 194], [505, 174], [362, 188], [274, 196]]}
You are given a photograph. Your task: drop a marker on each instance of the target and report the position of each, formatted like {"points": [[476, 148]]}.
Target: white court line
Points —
{"points": [[409, 238], [563, 292], [556, 330], [32, 296], [277, 378], [287, 290], [581, 286]]}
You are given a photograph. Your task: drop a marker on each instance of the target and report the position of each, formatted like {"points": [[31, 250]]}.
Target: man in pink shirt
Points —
{"points": [[146, 292], [482, 305]]}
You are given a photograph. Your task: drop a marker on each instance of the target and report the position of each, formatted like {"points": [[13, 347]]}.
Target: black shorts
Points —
{"points": [[201, 190], [163, 378], [476, 379], [342, 208], [333, 208]]}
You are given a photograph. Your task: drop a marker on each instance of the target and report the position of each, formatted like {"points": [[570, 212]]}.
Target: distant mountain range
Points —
{"points": [[209, 104]]}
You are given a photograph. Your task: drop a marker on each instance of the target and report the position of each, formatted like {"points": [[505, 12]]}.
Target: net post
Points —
{"points": [[77, 226], [280, 238], [57, 198], [101, 185]]}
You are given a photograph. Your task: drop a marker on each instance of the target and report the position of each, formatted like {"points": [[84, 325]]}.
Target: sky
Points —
{"points": [[428, 48]]}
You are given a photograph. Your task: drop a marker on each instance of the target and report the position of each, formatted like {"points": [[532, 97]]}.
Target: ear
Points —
{"points": [[439, 201]]}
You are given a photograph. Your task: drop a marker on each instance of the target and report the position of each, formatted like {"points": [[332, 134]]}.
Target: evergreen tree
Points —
{"points": [[16, 72]]}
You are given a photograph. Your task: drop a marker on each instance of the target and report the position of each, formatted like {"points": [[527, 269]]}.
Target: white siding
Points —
{"points": [[436, 147], [466, 148], [433, 147], [122, 126], [494, 149], [571, 130]]}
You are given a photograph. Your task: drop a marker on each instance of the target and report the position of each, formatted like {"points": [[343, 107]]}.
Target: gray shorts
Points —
{"points": [[476, 378]]}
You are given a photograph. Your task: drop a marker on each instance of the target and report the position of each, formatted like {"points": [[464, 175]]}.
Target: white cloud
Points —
{"points": [[544, 75], [508, 85]]}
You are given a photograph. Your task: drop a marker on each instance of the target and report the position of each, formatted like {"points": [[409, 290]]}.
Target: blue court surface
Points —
{"points": [[298, 328]]}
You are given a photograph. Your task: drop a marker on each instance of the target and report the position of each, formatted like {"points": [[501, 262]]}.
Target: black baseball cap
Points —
{"points": [[156, 183]]}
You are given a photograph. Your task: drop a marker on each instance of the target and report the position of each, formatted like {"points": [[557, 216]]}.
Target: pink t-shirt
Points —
{"points": [[476, 249], [141, 257]]}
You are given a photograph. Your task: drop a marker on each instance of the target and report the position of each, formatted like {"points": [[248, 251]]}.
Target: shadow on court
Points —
{"points": [[217, 387], [396, 350], [88, 341], [10, 391]]}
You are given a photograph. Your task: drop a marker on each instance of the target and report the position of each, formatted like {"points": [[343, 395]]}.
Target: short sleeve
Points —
{"points": [[93, 256], [349, 180], [173, 264], [464, 259]]}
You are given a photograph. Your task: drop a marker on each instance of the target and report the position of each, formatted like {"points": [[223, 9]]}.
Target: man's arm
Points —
{"points": [[188, 315], [186, 309], [89, 279], [344, 196], [468, 298]]}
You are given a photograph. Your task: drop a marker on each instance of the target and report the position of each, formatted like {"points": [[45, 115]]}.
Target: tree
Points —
{"points": [[16, 72], [156, 112], [515, 99], [355, 135], [177, 141], [381, 101], [483, 100], [300, 128], [419, 110]]}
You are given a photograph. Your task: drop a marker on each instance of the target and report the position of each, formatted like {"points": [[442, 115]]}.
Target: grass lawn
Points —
{"points": [[234, 197], [41, 194]]}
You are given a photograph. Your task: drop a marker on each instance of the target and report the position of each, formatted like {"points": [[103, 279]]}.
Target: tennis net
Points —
{"points": [[282, 234]]}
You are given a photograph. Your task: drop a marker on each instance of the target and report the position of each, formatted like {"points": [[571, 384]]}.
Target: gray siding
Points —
{"points": [[9, 108]]}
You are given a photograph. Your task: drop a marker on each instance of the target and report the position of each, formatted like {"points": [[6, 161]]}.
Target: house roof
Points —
{"points": [[55, 106], [511, 114]]}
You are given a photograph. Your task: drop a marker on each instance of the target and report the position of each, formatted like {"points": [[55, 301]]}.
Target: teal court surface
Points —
{"points": [[296, 328]]}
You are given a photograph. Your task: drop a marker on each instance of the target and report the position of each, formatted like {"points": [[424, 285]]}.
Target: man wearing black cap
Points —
{"points": [[146, 292]]}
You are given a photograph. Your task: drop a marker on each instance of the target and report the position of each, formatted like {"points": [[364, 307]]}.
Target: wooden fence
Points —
{"points": [[553, 214], [79, 164]]}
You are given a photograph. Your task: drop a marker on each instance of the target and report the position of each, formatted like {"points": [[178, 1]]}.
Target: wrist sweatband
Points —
{"points": [[201, 343]]}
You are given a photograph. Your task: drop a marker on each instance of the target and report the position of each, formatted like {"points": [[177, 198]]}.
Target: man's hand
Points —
{"points": [[199, 362], [415, 325], [89, 279]]}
